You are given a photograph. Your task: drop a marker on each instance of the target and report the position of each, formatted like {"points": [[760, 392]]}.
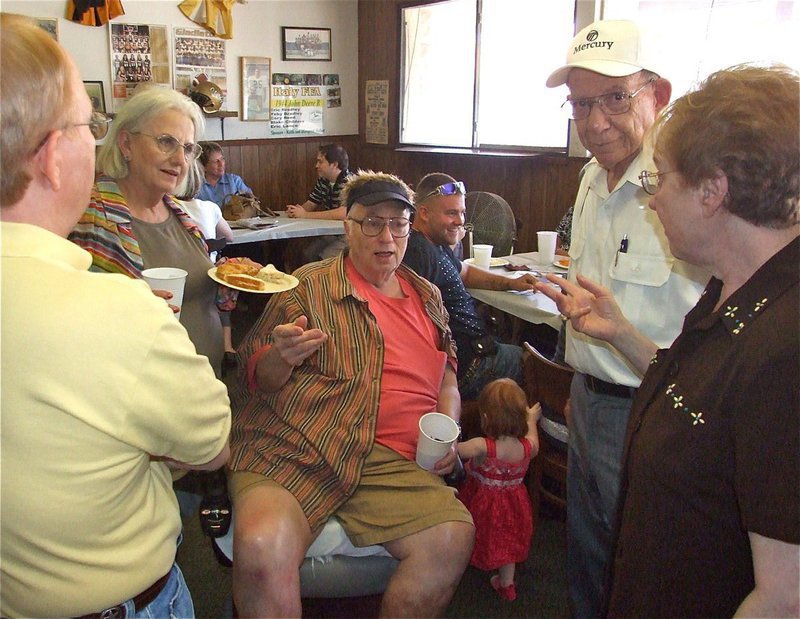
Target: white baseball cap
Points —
{"points": [[614, 48]]}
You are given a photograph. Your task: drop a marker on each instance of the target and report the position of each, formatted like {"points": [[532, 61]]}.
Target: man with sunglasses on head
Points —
{"points": [[614, 97], [439, 220]]}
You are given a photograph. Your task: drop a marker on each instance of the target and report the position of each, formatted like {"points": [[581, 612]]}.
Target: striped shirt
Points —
{"points": [[326, 194], [105, 230], [313, 435]]}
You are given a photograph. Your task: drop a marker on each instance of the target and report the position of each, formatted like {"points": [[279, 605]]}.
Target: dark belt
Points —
{"points": [[139, 601], [604, 388]]}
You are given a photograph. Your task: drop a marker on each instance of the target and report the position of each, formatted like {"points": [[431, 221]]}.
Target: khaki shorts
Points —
{"points": [[395, 498]]}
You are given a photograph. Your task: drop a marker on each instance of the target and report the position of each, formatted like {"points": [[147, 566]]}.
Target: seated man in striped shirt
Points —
{"points": [[332, 167], [339, 371]]}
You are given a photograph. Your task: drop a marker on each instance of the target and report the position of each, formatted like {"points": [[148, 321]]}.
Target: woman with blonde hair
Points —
{"points": [[133, 221]]}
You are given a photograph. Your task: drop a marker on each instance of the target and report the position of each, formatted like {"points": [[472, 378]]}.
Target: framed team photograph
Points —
{"points": [[299, 43], [96, 95], [255, 88]]}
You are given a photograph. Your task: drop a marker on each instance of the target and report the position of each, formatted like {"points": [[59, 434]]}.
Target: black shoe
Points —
{"points": [[215, 515]]}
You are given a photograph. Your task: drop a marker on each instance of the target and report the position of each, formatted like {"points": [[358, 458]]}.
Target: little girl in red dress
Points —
{"points": [[494, 490]]}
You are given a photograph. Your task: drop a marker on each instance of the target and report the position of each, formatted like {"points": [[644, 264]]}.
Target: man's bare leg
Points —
{"points": [[271, 537], [431, 564]]}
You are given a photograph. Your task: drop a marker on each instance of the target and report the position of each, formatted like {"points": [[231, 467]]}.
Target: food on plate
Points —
{"points": [[271, 275], [562, 262], [248, 282], [237, 266]]}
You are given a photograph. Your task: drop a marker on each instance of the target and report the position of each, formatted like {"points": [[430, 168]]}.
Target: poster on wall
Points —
{"points": [[255, 87], [139, 53], [297, 104], [376, 100], [199, 55], [333, 93]]}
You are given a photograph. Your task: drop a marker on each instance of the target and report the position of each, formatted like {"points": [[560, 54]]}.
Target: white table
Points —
{"points": [[535, 308], [288, 228]]}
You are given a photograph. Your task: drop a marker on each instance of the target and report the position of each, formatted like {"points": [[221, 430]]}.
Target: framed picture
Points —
{"points": [[96, 95], [255, 88], [49, 25], [305, 43]]}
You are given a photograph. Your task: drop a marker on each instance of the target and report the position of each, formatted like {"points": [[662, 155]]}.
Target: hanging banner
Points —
{"points": [[298, 104]]}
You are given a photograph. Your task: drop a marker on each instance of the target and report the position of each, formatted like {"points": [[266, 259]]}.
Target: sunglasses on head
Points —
{"points": [[448, 189]]}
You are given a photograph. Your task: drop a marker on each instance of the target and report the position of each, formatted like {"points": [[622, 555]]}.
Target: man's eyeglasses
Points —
{"points": [[98, 125], [448, 189], [169, 145], [373, 226], [651, 181], [612, 104]]}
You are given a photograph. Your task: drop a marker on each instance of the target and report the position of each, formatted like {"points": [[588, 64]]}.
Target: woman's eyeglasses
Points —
{"points": [[373, 226], [448, 189], [651, 181], [169, 145]]}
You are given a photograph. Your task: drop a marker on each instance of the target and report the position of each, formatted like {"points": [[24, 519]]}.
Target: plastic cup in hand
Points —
{"points": [[167, 278], [482, 255], [547, 246], [437, 433]]}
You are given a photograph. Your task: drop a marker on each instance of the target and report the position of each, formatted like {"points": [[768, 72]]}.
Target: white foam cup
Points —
{"points": [[482, 255], [547, 246], [437, 433], [167, 278]]}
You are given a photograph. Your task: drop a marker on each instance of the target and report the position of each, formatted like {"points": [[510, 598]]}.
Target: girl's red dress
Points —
{"points": [[496, 497]]}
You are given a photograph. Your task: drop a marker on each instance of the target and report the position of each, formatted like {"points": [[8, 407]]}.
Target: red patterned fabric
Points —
{"points": [[496, 497]]}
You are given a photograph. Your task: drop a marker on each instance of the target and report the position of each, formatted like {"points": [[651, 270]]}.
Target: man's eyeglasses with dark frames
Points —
{"points": [[169, 145], [612, 104], [447, 189], [651, 181], [399, 227]]}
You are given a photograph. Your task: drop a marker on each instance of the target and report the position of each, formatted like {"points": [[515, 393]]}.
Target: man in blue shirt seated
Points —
{"points": [[218, 184], [437, 225]]}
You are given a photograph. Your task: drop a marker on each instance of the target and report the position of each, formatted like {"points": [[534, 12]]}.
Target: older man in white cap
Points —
{"points": [[615, 95]]}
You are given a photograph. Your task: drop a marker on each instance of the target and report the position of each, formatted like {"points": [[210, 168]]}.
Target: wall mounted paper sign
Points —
{"points": [[139, 54]]}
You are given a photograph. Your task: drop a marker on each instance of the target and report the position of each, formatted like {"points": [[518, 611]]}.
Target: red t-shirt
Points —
{"points": [[413, 367]]}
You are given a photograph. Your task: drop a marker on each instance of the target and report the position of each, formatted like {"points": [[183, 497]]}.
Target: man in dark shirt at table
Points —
{"points": [[323, 203], [439, 219]]}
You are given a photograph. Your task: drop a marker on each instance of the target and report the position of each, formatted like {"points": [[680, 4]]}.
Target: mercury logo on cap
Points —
{"points": [[614, 48]]}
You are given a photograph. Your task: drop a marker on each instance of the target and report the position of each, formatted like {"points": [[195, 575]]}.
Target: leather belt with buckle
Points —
{"points": [[139, 601], [605, 388]]}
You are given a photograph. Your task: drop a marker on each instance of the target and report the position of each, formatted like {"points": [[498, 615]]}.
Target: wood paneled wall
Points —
{"points": [[539, 188]]}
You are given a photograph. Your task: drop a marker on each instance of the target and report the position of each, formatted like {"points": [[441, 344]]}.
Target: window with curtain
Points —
{"points": [[473, 73], [703, 36]]}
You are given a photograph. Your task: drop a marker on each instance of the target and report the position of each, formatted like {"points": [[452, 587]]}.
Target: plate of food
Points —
{"points": [[562, 262], [249, 276], [493, 262]]}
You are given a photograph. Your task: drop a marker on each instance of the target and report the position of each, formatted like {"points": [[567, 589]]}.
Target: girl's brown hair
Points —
{"points": [[504, 409]]}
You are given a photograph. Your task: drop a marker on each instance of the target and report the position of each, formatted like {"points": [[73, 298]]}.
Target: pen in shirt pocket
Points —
{"points": [[623, 248]]}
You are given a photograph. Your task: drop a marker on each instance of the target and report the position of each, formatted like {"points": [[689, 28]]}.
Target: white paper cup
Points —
{"points": [[167, 278], [437, 433], [482, 255], [547, 246]]}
